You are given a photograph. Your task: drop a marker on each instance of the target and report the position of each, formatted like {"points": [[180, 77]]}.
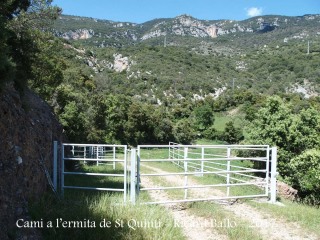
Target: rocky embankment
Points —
{"points": [[27, 131]]}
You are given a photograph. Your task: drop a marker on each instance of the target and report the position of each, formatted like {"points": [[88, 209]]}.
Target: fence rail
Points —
{"points": [[207, 160], [235, 165], [86, 154]]}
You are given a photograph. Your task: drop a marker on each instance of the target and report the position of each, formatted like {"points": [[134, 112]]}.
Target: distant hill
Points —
{"points": [[191, 57]]}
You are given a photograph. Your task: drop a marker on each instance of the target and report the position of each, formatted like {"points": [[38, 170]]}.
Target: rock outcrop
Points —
{"points": [[27, 131], [120, 63], [77, 34], [183, 25]]}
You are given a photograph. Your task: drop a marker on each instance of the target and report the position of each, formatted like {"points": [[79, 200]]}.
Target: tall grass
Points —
{"points": [[307, 216], [225, 222], [99, 215]]}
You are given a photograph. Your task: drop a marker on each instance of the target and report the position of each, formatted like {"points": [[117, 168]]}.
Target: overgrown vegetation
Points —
{"points": [[101, 216], [296, 134]]}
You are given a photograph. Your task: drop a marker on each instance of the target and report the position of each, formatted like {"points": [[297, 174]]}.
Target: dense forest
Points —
{"points": [[175, 91]]}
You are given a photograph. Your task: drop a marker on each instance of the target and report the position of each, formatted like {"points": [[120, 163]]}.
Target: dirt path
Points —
{"points": [[269, 227], [192, 225]]}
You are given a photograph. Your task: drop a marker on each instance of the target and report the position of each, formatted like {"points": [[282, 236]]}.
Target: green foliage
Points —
{"points": [[183, 131], [73, 120], [22, 26], [8, 10], [203, 116], [307, 174], [47, 67], [271, 127], [163, 126], [138, 128], [211, 133], [232, 134], [293, 134]]}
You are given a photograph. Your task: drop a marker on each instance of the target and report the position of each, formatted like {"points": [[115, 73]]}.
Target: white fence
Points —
{"points": [[233, 164], [96, 154], [228, 166]]}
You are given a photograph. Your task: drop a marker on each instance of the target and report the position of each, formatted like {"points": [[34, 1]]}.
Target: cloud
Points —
{"points": [[254, 11]]}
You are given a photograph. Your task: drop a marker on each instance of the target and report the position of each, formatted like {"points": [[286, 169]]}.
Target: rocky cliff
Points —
{"points": [[27, 131], [104, 33]]}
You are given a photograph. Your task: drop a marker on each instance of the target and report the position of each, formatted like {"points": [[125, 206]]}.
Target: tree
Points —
{"points": [[295, 135], [8, 9], [232, 134], [271, 127], [204, 117], [162, 125], [183, 131], [25, 22], [116, 113], [73, 121], [139, 126], [307, 175]]}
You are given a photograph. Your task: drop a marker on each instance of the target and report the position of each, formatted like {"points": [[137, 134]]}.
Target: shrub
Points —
{"points": [[306, 179], [232, 134], [183, 131]]}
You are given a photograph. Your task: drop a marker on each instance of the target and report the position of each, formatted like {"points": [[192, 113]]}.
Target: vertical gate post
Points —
{"points": [[228, 169], [185, 156], [114, 157], [133, 176], [138, 171], [62, 170], [273, 185], [267, 171], [202, 161], [55, 165], [125, 173], [97, 148]]}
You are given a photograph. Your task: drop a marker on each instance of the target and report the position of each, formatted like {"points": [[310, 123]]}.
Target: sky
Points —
{"points": [[140, 11]]}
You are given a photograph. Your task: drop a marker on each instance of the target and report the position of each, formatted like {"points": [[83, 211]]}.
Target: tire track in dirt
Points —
{"points": [[270, 228], [191, 224]]}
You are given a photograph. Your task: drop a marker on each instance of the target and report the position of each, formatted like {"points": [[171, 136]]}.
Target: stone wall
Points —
{"points": [[27, 131]]}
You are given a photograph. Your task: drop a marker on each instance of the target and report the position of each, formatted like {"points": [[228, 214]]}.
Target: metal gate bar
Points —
{"points": [[202, 162], [93, 153]]}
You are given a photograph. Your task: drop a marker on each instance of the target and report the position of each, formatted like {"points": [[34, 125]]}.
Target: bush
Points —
{"points": [[183, 131], [213, 134], [306, 179], [232, 134]]}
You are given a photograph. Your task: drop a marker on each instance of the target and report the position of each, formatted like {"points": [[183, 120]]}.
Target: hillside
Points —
{"points": [[188, 57]]}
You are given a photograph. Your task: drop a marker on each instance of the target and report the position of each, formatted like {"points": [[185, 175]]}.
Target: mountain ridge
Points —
{"points": [[265, 54], [183, 25]]}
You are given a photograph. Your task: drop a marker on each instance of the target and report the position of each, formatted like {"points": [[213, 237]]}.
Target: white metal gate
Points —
{"points": [[236, 165], [91, 154]]}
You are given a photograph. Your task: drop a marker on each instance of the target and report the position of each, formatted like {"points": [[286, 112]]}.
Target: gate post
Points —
{"points": [[202, 161], [228, 170], [55, 166], [185, 156], [273, 177], [125, 173], [133, 176], [114, 157], [62, 171], [138, 171]]}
